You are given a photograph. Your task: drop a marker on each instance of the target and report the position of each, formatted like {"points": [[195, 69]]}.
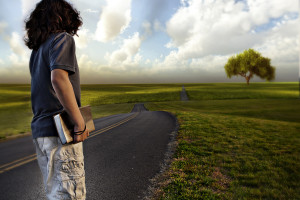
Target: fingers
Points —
{"points": [[86, 134], [82, 137]]}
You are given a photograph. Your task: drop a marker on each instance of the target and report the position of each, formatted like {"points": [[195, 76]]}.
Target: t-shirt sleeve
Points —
{"points": [[62, 53]]}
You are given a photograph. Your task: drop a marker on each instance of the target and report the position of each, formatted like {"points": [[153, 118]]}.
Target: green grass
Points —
{"points": [[235, 141], [15, 109], [234, 149], [210, 91], [111, 109], [129, 93], [15, 106]]}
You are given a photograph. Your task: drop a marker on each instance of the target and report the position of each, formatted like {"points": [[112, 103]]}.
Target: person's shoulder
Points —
{"points": [[63, 37], [63, 34]]}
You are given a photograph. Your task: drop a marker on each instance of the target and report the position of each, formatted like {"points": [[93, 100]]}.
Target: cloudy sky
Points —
{"points": [[162, 41]]}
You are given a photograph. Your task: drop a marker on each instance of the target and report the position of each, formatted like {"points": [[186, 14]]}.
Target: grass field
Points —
{"points": [[15, 108], [234, 149], [242, 91], [235, 141]]}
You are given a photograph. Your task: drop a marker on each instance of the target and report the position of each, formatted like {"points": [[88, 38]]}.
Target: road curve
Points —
{"points": [[121, 157]]}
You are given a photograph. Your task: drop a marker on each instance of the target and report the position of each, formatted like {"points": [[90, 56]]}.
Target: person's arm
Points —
{"points": [[65, 93]]}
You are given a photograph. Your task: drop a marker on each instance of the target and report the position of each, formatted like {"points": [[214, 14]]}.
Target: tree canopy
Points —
{"points": [[250, 63]]}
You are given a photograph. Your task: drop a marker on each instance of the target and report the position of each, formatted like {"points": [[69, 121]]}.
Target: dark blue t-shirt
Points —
{"points": [[57, 52]]}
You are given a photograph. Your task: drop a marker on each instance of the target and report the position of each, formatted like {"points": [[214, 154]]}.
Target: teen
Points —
{"points": [[55, 86]]}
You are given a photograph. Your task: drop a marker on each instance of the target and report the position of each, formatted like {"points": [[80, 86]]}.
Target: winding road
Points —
{"points": [[121, 156]]}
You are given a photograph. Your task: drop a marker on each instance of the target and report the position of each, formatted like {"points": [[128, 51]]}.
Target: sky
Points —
{"points": [[162, 41]]}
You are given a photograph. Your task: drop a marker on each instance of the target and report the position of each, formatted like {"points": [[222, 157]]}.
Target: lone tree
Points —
{"points": [[250, 63]]}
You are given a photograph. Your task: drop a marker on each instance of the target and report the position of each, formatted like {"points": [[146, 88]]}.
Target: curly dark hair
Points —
{"points": [[50, 16]]}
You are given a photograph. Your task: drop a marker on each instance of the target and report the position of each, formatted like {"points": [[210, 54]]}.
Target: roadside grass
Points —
{"points": [[234, 149], [270, 90], [235, 141], [129, 93], [15, 106], [111, 109], [15, 109]]}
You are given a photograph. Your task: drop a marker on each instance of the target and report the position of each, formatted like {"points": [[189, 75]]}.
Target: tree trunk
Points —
{"points": [[247, 79]]}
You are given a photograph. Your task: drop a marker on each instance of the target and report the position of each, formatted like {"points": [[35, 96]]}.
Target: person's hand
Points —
{"points": [[80, 137]]}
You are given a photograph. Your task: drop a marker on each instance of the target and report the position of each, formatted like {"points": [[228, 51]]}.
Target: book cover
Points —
{"points": [[65, 126]]}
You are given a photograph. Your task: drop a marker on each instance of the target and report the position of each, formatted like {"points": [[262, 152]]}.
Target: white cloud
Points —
{"points": [[184, 2], [127, 55], [205, 33], [16, 68], [27, 7], [210, 63], [91, 11], [114, 19], [3, 26], [261, 11], [148, 61], [19, 56], [282, 44], [221, 27], [147, 27], [157, 26], [83, 38], [16, 44], [87, 67]]}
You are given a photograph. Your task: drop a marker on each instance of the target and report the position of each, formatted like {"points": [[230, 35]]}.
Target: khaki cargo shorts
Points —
{"points": [[62, 167]]}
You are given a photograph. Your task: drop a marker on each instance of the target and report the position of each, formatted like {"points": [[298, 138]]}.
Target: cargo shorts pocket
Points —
{"points": [[72, 189], [71, 168], [70, 162], [72, 184], [70, 172]]}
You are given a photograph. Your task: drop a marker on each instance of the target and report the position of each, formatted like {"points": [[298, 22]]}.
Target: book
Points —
{"points": [[65, 126]]}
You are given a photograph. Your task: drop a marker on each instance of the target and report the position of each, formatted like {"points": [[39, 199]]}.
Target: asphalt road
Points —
{"points": [[121, 157], [183, 94]]}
